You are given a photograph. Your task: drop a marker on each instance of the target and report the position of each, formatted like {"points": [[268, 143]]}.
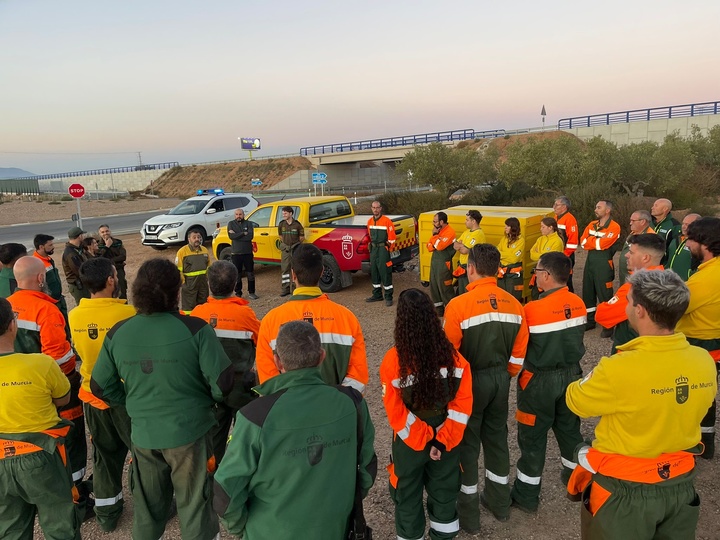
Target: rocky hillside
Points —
{"points": [[232, 177]]}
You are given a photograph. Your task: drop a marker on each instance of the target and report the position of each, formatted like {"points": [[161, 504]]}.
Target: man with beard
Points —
{"points": [[241, 232], [680, 259], [599, 240], [109, 426], [113, 249], [640, 223], [382, 239], [568, 231], [193, 260], [44, 250], [441, 278], [72, 259], [701, 322], [9, 254], [41, 329]]}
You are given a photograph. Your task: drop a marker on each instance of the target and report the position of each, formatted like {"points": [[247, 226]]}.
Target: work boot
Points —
{"points": [[388, 303], [502, 518], [373, 299], [606, 332], [522, 508], [253, 296], [468, 512]]}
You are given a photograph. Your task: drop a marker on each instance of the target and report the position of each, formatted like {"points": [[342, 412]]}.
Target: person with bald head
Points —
{"points": [[640, 223], [665, 225], [41, 329], [680, 259]]}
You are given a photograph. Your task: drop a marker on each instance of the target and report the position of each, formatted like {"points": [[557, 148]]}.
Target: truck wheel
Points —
{"points": [[330, 279], [225, 254]]}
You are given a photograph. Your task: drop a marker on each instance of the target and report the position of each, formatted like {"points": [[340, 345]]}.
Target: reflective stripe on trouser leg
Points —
{"points": [[442, 480], [110, 435], [285, 275]]}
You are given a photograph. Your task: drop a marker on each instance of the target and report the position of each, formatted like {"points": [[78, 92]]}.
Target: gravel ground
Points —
{"points": [[557, 517]]}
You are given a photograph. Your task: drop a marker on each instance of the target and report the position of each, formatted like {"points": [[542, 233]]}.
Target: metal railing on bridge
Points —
{"points": [[114, 170], [408, 140], [641, 115]]}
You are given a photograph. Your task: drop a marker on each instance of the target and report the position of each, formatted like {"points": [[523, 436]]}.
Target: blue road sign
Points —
{"points": [[256, 183], [319, 178]]}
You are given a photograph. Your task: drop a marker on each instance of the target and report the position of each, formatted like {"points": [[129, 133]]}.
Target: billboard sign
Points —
{"points": [[250, 143]]}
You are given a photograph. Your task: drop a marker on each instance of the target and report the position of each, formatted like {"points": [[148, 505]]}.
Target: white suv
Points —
{"points": [[201, 213]]}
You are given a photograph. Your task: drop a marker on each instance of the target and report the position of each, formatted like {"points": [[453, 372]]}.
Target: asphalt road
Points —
{"points": [[119, 224]]}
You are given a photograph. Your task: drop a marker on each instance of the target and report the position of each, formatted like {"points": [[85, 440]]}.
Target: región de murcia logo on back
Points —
{"points": [[682, 389]]}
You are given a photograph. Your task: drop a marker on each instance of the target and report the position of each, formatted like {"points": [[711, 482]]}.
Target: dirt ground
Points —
{"points": [[557, 517]]}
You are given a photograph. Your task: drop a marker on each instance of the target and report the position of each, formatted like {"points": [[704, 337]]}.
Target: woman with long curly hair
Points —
{"points": [[512, 252], [427, 392]]}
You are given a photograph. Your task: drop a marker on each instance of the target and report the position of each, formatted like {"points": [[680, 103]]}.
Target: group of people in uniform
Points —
{"points": [[165, 388]]}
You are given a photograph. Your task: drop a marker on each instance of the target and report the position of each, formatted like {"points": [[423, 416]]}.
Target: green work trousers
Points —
{"points": [[76, 441], [77, 293], [37, 483], [597, 282], [381, 272], [122, 281], [110, 436], [541, 407], [285, 267], [225, 416], [512, 283], [441, 285], [184, 470], [441, 479], [665, 511], [462, 283], [487, 426], [194, 292]]}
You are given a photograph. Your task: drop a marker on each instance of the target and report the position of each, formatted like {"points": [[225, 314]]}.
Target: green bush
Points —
{"points": [[66, 198]]}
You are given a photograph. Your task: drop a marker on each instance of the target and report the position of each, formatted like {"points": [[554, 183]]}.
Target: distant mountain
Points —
{"points": [[13, 172]]}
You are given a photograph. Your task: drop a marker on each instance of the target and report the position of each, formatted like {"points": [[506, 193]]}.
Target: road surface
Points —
{"points": [[119, 224]]}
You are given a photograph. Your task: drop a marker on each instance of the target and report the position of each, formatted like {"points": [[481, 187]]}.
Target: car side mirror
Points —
{"points": [[211, 211]]}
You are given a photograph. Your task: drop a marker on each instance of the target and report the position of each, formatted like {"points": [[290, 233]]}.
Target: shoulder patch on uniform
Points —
{"points": [[257, 411]]}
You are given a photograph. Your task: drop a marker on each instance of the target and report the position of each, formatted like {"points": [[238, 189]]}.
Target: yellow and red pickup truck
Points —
{"points": [[331, 224]]}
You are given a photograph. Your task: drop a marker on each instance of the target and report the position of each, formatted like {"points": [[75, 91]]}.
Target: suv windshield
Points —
{"points": [[188, 208]]}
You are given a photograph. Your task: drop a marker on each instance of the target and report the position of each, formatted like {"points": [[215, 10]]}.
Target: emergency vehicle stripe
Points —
{"points": [[405, 432], [559, 325], [457, 416], [109, 501], [583, 460], [28, 325], [233, 334], [490, 317], [532, 480], [495, 478], [449, 528], [65, 358], [567, 463], [469, 490], [352, 383]]}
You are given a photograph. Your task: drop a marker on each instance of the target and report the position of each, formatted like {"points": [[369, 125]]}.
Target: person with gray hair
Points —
{"points": [[237, 327], [304, 432], [568, 231], [640, 223], [650, 399]]}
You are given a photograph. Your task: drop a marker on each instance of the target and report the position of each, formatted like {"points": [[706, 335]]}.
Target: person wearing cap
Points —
{"points": [[72, 259], [34, 477], [9, 254], [291, 232]]}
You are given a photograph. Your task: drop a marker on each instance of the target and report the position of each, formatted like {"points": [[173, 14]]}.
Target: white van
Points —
{"points": [[197, 214]]}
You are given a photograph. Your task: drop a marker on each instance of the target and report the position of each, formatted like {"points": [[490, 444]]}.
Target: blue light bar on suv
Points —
{"points": [[212, 191]]}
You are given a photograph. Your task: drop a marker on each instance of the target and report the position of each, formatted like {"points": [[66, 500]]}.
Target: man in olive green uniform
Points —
{"points": [[193, 260], [680, 258], [113, 249], [9, 254], [72, 260], [640, 223], [168, 370], [381, 231], [665, 225], [291, 232]]}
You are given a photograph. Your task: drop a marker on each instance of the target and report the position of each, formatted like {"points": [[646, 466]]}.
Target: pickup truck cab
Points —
{"points": [[330, 223], [196, 214]]}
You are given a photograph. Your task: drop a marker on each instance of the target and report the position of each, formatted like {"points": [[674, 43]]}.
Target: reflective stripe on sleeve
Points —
{"points": [[28, 325], [459, 417], [583, 460], [233, 334], [567, 463], [556, 326], [65, 357], [571, 246], [516, 361], [337, 339], [78, 475], [490, 317], [404, 433], [352, 383]]}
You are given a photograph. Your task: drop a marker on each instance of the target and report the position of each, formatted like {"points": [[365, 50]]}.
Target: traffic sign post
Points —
{"points": [[319, 178], [77, 192]]}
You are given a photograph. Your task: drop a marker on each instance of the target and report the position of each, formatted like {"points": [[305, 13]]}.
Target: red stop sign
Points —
{"points": [[77, 191]]}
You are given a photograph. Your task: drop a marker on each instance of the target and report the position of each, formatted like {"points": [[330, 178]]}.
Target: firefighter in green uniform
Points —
{"points": [[441, 278], [680, 259], [382, 238], [193, 260], [600, 241], [640, 223], [34, 476], [9, 254], [168, 370], [665, 225], [291, 232], [556, 322]]}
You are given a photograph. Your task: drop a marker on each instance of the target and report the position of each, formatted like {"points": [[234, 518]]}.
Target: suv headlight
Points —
{"points": [[173, 225]]}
